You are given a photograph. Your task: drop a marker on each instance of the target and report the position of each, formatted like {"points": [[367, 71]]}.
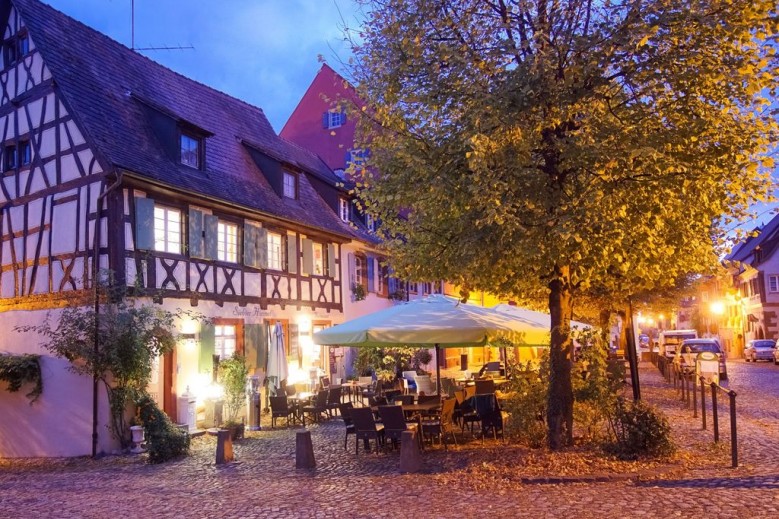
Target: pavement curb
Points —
{"points": [[642, 475]]}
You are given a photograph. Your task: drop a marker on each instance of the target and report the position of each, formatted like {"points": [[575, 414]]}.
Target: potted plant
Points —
{"points": [[233, 375], [358, 292]]}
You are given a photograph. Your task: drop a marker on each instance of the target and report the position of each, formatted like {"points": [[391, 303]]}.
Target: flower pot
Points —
{"points": [[138, 437]]}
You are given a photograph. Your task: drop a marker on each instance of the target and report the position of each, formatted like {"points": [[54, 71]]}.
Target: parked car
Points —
{"points": [[760, 349], [688, 351], [776, 356]]}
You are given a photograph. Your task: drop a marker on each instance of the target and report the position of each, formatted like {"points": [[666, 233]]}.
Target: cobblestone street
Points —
{"points": [[264, 482]]}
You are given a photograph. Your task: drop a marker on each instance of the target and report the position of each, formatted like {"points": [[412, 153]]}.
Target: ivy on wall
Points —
{"points": [[18, 370]]}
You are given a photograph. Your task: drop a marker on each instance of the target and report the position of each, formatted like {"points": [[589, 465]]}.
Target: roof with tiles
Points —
{"points": [[103, 82], [766, 238]]}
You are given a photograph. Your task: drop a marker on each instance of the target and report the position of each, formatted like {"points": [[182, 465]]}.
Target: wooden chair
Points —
{"points": [[441, 425], [346, 416], [373, 391], [490, 415], [394, 422], [333, 399], [366, 428], [317, 408], [280, 409]]}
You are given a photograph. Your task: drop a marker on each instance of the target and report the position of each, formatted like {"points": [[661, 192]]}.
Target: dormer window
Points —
{"points": [[333, 119], [290, 185], [370, 223], [344, 209], [191, 150]]}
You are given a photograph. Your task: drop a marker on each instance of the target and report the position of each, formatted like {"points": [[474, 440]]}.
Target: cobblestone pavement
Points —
{"points": [[264, 482]]}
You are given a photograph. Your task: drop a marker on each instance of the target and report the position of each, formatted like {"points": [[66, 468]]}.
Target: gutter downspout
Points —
{"points": [[95, 265]]}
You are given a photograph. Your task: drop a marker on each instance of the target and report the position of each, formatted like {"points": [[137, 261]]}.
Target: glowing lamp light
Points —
{"points": [[717, 308]]}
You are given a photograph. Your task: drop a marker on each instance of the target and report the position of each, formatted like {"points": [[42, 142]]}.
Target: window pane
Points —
{"points": [[167, 230], [190, 155], [274, 251]]}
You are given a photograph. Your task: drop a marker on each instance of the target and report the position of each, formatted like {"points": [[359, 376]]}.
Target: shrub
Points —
{"points": [[639, 430], [526, 405], [164, 440], [595, 387]]}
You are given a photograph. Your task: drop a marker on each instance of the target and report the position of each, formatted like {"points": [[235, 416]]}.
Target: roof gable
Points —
{"points": [[110, 89]]}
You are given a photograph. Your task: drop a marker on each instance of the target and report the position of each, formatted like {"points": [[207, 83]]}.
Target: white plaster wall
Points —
{"points": [[59, 423]]}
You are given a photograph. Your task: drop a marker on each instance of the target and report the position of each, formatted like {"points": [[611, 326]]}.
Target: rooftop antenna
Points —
{"points": [[132, 36]]}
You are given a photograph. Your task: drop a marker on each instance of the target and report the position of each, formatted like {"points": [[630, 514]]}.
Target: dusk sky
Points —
{"points": [[264, 52]]}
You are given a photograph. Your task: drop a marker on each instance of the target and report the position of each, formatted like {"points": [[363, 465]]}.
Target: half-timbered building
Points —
{"points": [[111, 162]]}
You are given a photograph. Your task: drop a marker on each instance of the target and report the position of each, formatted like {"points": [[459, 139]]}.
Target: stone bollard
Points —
{"points": [[410, 459], [304, 451], [224, 446]]}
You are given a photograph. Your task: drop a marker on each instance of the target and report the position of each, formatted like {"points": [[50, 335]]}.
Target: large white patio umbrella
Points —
{"points": [[541, 318], [439, 321]]}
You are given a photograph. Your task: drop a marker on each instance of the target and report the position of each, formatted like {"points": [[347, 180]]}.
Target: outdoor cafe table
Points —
{"points": [[423, 408], [353, 388], [298, 400], [470, 382]]}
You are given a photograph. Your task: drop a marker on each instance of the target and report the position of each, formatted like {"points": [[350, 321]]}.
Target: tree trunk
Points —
{"points": [[559, 411]]}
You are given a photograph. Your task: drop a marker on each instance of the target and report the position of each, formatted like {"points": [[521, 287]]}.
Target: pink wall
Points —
{"points": [[304, 126]]}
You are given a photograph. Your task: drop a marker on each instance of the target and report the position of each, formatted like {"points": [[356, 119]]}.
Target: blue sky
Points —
{"points": [[264, 52]]}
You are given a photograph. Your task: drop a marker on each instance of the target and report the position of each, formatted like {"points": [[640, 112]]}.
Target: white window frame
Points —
{"points": [[370, 223], [227, 242], [773, 283], [334, 119], [290, 185], [275, 251], [186, 156], [360, 268], [167, 229], [344, 210], [319, 259], [225, 340]]}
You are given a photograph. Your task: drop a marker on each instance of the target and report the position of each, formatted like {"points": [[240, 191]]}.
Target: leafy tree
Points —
{"points": [[553, 146], [130, 337]]}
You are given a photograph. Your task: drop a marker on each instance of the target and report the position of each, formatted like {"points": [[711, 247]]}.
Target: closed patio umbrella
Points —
{"points": [[436, 320], [277, 357]]}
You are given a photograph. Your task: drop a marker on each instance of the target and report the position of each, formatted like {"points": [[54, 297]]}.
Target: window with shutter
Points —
{"points": [[275, 257]]}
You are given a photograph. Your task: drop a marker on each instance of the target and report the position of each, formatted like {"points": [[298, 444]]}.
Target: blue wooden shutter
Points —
{"points": [[207, 340], [292, 254], [195, 233], [308, 257], [262, 248], [326, 120], [144, 223], [371, 282], [331, 270], [211, 236], [392, 286], [343, 117], [250, 245]]}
